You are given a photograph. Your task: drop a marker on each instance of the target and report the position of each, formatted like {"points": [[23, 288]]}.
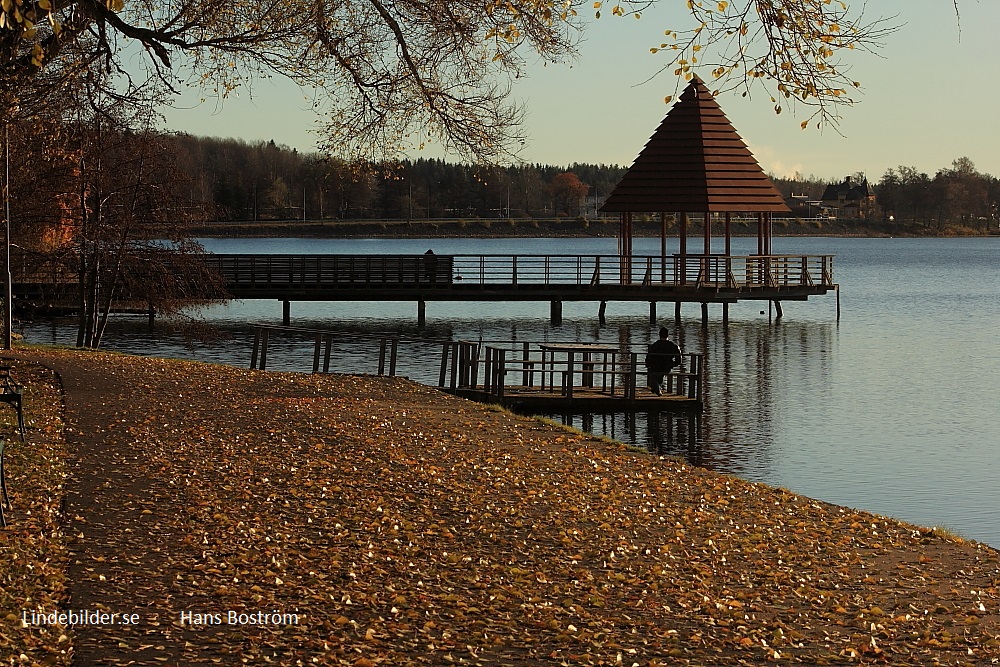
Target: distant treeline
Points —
{"points": [[266, 181]]}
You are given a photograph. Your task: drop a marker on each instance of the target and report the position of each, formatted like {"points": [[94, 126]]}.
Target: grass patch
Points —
{"points": [[946, 533]]}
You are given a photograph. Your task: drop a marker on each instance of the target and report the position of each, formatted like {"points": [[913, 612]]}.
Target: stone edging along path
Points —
{"points": [[216, 515]]}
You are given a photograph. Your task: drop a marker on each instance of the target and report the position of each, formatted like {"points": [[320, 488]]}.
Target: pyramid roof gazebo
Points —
{"points": [[695, 162]]}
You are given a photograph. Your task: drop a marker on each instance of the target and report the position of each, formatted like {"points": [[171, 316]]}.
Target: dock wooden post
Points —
{"points": [[677, 313], [381, 356], [725, 313], [652, 312], [256, 347], [568, 378], [455, 368], [488, 370], [697, 384], [392, 357], [474, 364], [555, 312], [462, 349], [526, 379], [501, 371], [704, 314], [442, 376], [631, 376], [421, 313], [601, 313], [317, 345], [286, 313], [263, 350], [326, 353]]}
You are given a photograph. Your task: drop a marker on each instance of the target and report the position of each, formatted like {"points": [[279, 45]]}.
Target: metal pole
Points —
{"points": [[8, 314]]}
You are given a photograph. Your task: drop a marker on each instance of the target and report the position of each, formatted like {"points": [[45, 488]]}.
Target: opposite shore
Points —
{"points": [[549, 228]]}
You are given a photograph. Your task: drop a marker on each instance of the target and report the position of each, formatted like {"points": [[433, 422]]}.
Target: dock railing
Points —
{"points": [[503, 369], [528, 368]]}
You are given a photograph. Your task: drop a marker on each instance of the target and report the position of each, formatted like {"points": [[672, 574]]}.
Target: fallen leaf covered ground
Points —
{"points": [[359, 520]]}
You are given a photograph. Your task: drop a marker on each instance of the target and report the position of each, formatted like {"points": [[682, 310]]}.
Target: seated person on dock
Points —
{"points": [[663, 356]]}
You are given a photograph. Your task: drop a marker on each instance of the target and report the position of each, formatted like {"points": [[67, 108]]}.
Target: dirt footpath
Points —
{"points": [[229, 516]]}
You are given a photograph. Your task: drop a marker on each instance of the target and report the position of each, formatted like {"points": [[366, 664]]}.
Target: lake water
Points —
{"points": [[893, 409]]}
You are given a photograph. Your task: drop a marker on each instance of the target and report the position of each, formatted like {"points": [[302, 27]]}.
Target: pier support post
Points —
{"points": [[286, 313], [704, 314], [677, 313], [601, 313], [555, 312], [725, 314], [777, 310], [421, 313], [652, 312]]}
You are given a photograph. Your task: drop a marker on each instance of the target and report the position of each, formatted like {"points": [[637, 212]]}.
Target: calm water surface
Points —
{"points": [[893, 409]]}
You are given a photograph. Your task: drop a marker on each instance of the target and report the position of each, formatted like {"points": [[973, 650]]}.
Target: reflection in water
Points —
{"points": [[662, 433], [752, 371], [754, 376]]}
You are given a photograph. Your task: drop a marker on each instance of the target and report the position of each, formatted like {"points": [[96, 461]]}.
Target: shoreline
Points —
{"points": [[406, 526], [543, 229]]}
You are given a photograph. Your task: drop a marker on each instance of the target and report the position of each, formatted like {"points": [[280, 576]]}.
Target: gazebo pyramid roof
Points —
{"points": [[695, 162]]}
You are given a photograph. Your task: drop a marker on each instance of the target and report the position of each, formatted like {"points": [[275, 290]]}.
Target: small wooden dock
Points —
{"points": [[566, 377], [548, 377]]}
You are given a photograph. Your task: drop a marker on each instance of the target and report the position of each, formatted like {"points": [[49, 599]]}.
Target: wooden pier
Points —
{"points": [[678, 279], [539, 377]]}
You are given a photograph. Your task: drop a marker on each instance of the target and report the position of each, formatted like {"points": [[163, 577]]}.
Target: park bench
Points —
{"points": [[12, 394]]}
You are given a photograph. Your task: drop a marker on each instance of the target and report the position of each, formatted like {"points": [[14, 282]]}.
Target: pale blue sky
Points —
{"points": [[933, 96]]}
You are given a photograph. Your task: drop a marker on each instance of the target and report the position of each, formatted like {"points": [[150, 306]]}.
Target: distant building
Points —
{"points": [[802, 206], [850, 199]]}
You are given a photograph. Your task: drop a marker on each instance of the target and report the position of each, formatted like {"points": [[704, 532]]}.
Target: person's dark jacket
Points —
{"points": [[663, 356]]}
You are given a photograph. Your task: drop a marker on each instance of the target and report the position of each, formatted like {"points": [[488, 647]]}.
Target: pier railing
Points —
{"points": [[446, 271]]}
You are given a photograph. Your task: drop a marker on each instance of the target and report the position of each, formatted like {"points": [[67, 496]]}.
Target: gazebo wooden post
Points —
{"points": [[729, 235], [628, 249], [683, 248], [663, 247], [760, 234], [760, 247], [767, 238], [706, 248], [622, 231], [729, 261], [708, 233]]}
